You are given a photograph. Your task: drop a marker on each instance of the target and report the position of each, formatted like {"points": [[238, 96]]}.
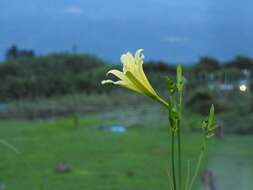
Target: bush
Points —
{"points": [[199, 101], [51, 75]]}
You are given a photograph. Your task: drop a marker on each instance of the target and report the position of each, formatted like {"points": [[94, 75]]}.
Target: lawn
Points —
{"points": [[99, 159], [232, 162]]}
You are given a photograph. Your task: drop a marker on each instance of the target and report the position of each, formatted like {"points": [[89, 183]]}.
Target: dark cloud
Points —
{"points": [[172, 30]]}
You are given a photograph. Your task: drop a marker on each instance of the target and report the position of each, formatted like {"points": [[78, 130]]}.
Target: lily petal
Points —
{"points": [[123, 84], [128, 61], [139, 61], [138, 84], [124, 81], [118, 74], [139, 56], [107, 82]]}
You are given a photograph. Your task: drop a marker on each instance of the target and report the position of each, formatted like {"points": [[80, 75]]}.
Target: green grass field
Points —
{"points": [[232, 163], [100, 159]]}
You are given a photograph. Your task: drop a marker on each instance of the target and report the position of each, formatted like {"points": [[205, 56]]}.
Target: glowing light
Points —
{"points": [[243, 87]]}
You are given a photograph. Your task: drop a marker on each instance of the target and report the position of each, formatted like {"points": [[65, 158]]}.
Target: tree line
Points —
{"points": [[23, 75]]}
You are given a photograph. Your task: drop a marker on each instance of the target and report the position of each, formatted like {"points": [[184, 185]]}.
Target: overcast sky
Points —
{"points": [[170, 30]]}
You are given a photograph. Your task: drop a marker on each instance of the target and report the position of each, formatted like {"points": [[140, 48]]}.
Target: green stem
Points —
{"points": [[188, 175], [170, 181], [201, 155], [179, 139], [160, 100], [179, 156], [173, 160]]}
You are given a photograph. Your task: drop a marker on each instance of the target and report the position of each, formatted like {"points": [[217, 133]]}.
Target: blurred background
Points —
{"points": [[61, 129]]}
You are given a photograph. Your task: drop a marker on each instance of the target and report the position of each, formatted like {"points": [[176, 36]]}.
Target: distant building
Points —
{"points": [[227, 80]]}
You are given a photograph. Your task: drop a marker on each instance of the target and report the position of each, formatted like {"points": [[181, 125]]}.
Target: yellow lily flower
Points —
{"points": [[133, 76]]}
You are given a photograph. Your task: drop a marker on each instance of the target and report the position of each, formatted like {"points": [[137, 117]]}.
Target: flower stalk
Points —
{"points": [[180, 85], [133, 77], [173, 160]]}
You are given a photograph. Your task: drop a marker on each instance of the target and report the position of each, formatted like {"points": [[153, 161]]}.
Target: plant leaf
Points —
{"points": [[211, 117]]}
